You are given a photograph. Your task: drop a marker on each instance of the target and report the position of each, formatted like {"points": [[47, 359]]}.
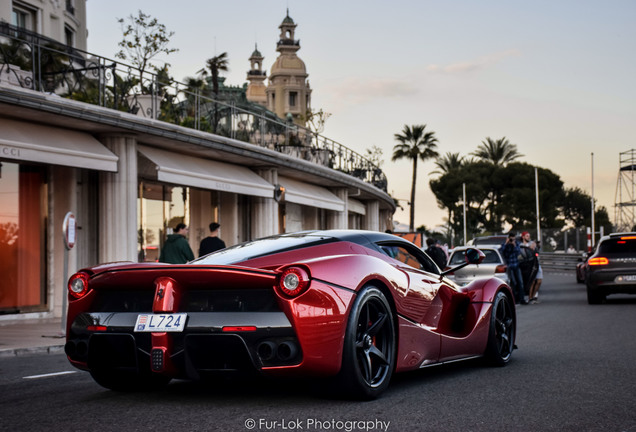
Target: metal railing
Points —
{"points": [[32, 61], [559, 261]]}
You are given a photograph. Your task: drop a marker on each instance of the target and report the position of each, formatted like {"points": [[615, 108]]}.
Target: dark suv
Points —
{"points": [[611, 269]]}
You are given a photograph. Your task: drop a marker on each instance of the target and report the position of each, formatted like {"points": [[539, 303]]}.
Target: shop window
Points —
{"points": [[22, 216], [160, 208]]}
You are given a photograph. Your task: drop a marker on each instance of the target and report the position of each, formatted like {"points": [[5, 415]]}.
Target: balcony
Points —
{"points": [[31, 61]]}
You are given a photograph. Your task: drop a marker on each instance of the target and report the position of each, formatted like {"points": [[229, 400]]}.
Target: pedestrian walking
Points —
{"points": [[177, 249], [211, 243]]}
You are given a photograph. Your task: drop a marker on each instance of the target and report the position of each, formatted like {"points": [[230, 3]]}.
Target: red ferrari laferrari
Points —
{"points": [[353, 305]]}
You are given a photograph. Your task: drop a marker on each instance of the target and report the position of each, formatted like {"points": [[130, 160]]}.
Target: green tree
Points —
{"points": [[448, 190], [415, 144], [315, 120], [448, 163], [499, 152], [144, 38], [518, 205], [374, 155], [577, 210]]}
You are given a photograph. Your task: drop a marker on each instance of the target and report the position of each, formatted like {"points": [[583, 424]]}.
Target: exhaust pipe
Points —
{"points": [[266, 350], [286, 351], [70, 348]]}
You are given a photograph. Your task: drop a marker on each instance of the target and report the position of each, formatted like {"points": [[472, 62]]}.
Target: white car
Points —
{"points": [[492, 265]]}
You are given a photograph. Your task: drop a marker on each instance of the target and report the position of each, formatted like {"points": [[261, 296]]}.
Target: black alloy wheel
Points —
{"points": [[501, 338], [369, 347]]}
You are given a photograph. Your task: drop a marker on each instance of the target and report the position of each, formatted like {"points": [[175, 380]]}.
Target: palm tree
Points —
{"points": [[499, 152], [415, 144], [447, 163], [217, 64]]}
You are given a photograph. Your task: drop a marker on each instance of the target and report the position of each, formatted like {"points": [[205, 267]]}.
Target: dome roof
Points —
{"points": [[256, 53], [289, 64], [288, 19]]}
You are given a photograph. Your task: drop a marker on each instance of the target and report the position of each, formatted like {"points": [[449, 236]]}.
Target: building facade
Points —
{"points": [[128, 179], [288, 91]]}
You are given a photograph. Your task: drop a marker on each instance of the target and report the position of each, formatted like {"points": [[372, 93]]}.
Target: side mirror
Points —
{"points": [[472, 256]]}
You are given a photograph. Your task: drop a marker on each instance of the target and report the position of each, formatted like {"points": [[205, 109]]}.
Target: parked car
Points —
{"points": [[492, 265], [611, 269], [493, 240], [580, 268], [350, 306]]}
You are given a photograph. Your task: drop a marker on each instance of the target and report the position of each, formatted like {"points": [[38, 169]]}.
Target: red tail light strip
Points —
{"points": [[598, 261]]}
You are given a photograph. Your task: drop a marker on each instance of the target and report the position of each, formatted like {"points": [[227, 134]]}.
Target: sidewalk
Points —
{"points": [[42, 336]]}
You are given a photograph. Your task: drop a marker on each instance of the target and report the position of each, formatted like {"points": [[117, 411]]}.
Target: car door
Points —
{"points": [[419, 303]]}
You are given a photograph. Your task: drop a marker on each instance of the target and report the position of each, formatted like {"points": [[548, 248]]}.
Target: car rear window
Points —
{"points": [[621, 245], [263, 247], [491, 257], [494, 240]]}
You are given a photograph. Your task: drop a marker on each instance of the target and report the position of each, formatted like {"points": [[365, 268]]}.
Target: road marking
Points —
{"points": [[49, 375]]}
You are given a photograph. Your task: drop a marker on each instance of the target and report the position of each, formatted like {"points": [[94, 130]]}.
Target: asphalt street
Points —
{"points": [[573, 371]]}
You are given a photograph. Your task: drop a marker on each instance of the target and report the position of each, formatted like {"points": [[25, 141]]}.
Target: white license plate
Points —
{"points": [[161, 322], [625, 279]]}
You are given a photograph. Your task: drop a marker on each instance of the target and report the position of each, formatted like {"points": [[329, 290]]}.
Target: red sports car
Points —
{"points": [[356, 306]]}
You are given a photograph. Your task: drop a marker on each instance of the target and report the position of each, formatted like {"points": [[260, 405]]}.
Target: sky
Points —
{"points": [[556, 78]]}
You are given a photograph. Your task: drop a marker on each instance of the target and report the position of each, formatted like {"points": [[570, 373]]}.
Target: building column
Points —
{"points": [[386, 220], [336, 219], [230, 220], [264, 218], [372, 218], [118, 202]]}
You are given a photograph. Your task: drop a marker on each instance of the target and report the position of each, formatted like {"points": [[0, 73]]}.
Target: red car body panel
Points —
{"points": [[436, 320]]}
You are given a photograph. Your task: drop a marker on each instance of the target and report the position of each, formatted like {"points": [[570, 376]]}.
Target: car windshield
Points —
{"points": [[459, 257], [621, 245], [262, 247]]}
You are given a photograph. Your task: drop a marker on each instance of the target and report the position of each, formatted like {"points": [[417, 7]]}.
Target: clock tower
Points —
{"points": [[288, 91]]}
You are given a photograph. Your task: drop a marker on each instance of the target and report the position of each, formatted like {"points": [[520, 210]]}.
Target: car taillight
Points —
{"points": [[293, 281], [78, 285], [501, 268], [597, 261]]}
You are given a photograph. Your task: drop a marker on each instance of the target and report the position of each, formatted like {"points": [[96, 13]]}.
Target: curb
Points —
{"points": [[18, 352]]}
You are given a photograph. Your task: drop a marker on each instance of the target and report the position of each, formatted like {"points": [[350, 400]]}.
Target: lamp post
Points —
{"points": [[464, 198], [593, 225]]}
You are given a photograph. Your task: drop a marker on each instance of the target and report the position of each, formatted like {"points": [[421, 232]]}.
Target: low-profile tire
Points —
{"points": [[501, 336], [129, 381], [370, 346], [594, 297]]}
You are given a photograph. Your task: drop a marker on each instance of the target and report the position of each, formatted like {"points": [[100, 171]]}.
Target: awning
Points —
{"points": [[310, 195], [39, 143], [356, 206], [202, 173]]}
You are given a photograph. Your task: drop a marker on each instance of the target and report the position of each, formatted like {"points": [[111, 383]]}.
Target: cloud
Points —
{"points": [[473, 65], [361, 90]]}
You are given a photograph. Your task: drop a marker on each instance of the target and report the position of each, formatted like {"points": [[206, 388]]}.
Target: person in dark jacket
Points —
{"points": [[436, 253], [177, 249], [510, 252], [211, 243]]}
